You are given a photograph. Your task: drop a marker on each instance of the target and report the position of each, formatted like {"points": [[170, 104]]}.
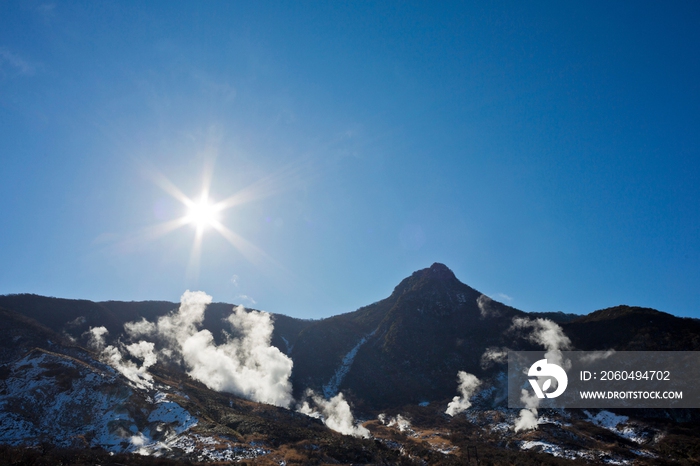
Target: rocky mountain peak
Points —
{"points": [[437, 276], [434, 291], [439, 271]]}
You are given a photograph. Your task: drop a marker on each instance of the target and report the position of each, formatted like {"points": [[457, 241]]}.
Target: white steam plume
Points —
{"points": [[143, 350], [137, 374], [494, 355], [527, 419], [487, 307], [247, 366], [403, 424], [176, 327], [96, 337], [142, 328], [591, 356], [550, 335], [468, 383], [335, 413]]}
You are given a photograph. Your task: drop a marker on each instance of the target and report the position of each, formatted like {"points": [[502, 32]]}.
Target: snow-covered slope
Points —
{"points": [[69, 402], [331, 388]]}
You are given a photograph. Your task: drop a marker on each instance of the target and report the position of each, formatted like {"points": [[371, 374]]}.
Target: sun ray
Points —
{"points": [[286, 178], [251, 252], [166, 185], [202, 213], [137, 240], [164, 228], [207, 175], [195, 256]]}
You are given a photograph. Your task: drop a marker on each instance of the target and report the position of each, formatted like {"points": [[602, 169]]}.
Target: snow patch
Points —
{"points": [[287, 345], [77, 405], [618, 425], [172, 414], [560, 452], [331, 388]]}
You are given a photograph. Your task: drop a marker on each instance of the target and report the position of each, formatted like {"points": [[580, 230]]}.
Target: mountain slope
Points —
{"points": [[406, 348], [72, 318], [53, 392], [626, 328], [387, 357]]}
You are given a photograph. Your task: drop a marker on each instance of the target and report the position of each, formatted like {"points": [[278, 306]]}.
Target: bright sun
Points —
{"points": [[202, 214]]}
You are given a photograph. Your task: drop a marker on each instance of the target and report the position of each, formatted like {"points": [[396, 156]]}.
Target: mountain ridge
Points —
{"points": [[416, 339], [400, 355]]}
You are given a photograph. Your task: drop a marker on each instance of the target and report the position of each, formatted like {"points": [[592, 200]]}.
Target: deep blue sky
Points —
{"points": [[547, 152]]}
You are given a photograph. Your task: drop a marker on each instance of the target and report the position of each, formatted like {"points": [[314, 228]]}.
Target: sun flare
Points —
{"points": [[202, 214]]}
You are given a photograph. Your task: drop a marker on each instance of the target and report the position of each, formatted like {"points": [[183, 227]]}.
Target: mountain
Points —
{"points": [[626, 328], [406, 348], [72, 318], [60, 396], [402, 350], [396, 361]]}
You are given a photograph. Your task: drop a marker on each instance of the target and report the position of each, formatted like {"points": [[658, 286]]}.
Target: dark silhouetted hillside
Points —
{"points": [[626, 328]]}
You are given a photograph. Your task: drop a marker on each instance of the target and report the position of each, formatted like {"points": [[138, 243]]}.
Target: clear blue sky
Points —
{"points": [[547, 152]]}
